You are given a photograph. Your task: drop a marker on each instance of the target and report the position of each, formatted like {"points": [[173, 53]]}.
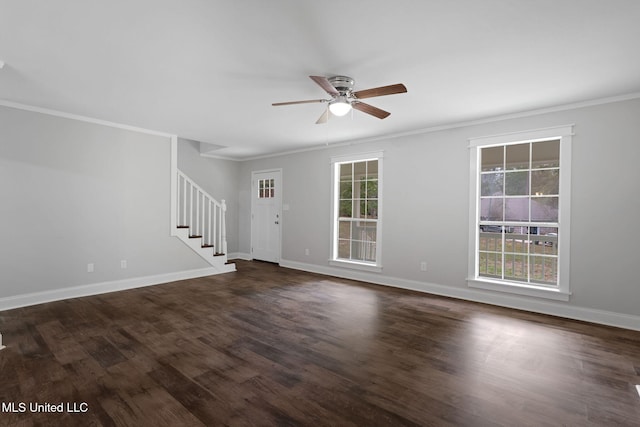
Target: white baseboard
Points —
{"points": [[560, 309], [34, 298]]}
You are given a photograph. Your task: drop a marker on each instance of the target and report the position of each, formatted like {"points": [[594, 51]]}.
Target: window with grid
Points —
{"points": [[518, 224], [356, 212], [518, 236], [267, 188]]}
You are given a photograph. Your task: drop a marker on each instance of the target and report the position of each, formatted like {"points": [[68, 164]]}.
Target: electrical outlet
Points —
{"points": [[423, 266], [123, 263], [90, 267]]}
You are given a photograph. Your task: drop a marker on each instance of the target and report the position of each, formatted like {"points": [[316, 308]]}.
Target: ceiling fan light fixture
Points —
{"points": [[340, 106], [344, 99]]}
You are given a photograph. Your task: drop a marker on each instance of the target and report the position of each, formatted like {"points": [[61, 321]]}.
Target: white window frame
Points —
{"points": [[560, 292], [335, 191]]}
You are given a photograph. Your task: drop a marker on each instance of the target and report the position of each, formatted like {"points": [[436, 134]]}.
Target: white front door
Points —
{"points": [[266, 215]]}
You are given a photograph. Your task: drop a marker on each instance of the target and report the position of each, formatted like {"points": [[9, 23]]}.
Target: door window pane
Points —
{"points": [[266, 188]]}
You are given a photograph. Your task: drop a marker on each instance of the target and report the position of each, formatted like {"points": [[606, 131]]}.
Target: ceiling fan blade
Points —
{"points": [[276, 104], [370, 109], [324, 83], [380, 91], [324, 117]]}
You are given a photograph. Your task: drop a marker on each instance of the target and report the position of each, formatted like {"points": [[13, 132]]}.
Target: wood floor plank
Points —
{"points": [[272, 346]]}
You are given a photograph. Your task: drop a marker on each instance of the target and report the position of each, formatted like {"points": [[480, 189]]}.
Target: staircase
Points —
{"points": [[199, 222]]}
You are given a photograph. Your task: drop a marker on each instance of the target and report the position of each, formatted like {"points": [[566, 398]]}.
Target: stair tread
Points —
{"points": [[194, 236], [183, 226], [218, 254], [206, 246]]}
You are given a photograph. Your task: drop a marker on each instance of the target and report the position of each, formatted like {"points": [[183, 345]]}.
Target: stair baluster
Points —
{"points": [[204, 218]]}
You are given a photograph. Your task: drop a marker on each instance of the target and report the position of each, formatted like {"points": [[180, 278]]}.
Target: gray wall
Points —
{"points": [[217, 177], [426, 197], [73, 193]]}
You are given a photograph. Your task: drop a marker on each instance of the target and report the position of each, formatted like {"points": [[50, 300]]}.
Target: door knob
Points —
{"points": [[277, 222]]}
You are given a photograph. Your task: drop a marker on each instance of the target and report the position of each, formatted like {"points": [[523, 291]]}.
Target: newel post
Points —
{"points": [[223, 204]]}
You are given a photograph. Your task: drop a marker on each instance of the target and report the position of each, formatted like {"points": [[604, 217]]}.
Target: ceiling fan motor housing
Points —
{"points": [[343, 84]]}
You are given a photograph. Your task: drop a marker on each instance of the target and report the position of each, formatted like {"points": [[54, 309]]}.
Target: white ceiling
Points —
{"points": [[209, 70]]}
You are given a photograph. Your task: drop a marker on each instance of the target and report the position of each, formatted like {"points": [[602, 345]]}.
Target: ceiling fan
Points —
{"points": [[343, 98]]}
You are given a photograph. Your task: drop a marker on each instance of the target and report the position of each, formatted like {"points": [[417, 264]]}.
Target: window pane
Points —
{"points": [[363, 230], [491, 184], [516, 266], [372, 169], [516, 243], [359, 170], [370, 252], [372, 209], [492, 159], [344, 229], [370, 190], [490, 238], [518, 229], [363, 244], [544, 209], [517, 209], [516, 183], [517, 156], [545, 154], [363, 251], [346, 190], [545, 244], [545, 182], [490, 264], [345, 209], [491, 209], [346, 172], [370, 234], [544, 269], [344, 248]]}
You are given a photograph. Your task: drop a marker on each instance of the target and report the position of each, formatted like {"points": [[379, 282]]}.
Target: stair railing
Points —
{"points": [[201, 213]]}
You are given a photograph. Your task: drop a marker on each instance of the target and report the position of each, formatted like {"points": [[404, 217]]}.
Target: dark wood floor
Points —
{"points": [[271, 346]]}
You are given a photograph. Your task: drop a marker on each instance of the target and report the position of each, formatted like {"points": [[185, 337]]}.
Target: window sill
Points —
{"points": [[519, 289], [356, 265]]}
